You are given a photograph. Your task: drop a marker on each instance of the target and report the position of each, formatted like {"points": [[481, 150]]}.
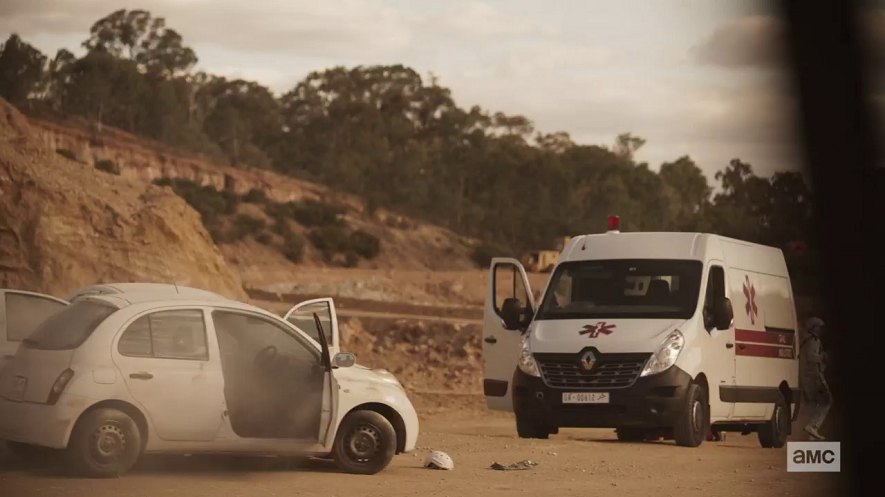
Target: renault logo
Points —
{"points": [[588, 360]]}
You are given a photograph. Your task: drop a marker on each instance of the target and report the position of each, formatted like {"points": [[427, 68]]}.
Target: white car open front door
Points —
{"points": [[301, 316], [500, 347]]}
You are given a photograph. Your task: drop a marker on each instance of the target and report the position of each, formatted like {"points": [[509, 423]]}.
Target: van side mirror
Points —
{"points": [[511, 312], [344, 360], [723, 314]]}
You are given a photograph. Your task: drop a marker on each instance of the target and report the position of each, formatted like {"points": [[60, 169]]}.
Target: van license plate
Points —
{"points": [[585, 397]]}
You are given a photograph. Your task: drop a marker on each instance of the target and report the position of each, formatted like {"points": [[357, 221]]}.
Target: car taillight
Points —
{"points": [[59, 386]]}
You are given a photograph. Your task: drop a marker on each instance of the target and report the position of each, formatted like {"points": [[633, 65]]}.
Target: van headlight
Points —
{"points": [[666, 354], [526, 362]]}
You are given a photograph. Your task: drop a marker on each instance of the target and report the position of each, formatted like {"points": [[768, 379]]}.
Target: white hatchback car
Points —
{"points": [[164, 370]]}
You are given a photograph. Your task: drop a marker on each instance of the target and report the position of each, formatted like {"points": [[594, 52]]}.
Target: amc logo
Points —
{"points": [[814, 457]]}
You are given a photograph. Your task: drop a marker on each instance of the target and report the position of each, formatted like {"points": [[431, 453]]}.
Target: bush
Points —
{"points": [[263, 238], [364, 244], [245, 225], [293, 246], [206, 200], [107, 166], [255, 196], [309, 213], [330, 240], [483, 253], [67, 154]]}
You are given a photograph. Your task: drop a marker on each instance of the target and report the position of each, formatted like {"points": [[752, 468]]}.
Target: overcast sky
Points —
{"points": [[692, 77]]}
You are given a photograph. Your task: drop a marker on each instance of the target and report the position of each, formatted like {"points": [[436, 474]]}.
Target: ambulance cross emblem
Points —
{"points": [[593, 330], [750, 293]]}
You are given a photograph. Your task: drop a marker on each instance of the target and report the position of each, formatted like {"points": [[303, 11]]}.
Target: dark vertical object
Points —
{"points": [[839, 132]]}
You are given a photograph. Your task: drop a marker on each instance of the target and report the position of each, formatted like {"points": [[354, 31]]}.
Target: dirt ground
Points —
{"points": [[575, 462]]}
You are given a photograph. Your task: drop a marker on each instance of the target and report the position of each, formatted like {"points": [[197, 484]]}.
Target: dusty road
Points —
{"points": [[575, 462]]}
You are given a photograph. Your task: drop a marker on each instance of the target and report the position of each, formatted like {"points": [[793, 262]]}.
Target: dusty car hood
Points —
{"points": [[607, 335], [358, 373]]}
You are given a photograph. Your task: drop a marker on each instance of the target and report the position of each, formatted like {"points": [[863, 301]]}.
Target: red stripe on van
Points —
{"points": [[772, 337], [756, 350]]}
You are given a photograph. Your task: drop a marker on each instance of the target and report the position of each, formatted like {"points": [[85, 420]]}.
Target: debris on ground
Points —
{"points": [[439, 460], [517, 466]]}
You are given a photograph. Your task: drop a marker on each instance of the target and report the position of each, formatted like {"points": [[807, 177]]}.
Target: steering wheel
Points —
{"points": [[265, 356]]}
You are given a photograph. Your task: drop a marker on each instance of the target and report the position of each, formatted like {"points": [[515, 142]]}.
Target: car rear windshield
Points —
{"points": [[623, 288], [70, 327]]}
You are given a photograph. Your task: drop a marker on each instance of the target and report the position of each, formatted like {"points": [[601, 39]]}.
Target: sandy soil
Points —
{"points": [[575, 462]]}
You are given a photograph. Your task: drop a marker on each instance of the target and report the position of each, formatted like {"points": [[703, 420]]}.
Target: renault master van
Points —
{"points": [[673, 335]]}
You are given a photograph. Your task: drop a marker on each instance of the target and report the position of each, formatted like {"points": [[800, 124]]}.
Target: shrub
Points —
{"points": [[206, 200], [293, 246], [309, 213], [245, 225], [330, 240], [263, 238], [255, 196], [67, 154], [107, 166], [364, 244], [483, 252]]}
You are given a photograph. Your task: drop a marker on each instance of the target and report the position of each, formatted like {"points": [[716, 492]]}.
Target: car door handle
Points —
{"points": [[491, 340], [141, 376], [729, 345]]}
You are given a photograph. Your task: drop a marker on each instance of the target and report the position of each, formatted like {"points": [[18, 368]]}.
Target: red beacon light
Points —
{"points": [[614, 224]]}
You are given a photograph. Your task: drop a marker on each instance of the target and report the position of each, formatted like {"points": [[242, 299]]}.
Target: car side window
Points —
{"points": [[715, 292], [304, 320], [178, 334], [24, 312], [247, 335]]}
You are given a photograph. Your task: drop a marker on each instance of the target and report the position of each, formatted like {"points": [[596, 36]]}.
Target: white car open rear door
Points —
{"points": [[500, 347], [301, 316], [20, 313]]}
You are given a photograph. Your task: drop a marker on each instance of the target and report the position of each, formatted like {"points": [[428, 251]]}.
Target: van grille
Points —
{"points": [[610, 370]]}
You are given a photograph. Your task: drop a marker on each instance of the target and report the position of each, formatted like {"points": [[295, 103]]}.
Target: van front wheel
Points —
{"points": [[693, 423], [773, 434]]}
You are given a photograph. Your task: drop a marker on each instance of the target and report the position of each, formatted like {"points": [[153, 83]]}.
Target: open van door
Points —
{"points": [[20, 313], [500, 346], [302, 316]]}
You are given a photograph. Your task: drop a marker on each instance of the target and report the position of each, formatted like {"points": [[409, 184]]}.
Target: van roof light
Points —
{"points": [[614, 224]]}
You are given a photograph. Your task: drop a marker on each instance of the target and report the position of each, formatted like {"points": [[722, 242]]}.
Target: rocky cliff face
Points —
{"points": [[65, 225]]}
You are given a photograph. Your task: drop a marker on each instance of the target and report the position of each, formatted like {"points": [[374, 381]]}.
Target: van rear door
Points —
{"points": [[47, 351], [500, 347]]}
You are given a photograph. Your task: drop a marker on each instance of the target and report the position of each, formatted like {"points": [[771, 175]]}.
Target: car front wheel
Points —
{"points": [[105, 443], [365, 443]]}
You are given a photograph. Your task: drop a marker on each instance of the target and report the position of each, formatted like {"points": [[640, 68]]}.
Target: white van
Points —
{"points": [[680, 335]]}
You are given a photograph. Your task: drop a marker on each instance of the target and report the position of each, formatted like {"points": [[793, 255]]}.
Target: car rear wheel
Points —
{"points": [[105, 443], [365, 443], [773, 434]]}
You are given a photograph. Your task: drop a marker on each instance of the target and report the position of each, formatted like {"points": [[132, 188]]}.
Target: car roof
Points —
{"points": [[160, 299], [147, 289]]}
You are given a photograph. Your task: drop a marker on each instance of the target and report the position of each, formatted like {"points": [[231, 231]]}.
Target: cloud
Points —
{"points": [[481, 21], [756, 41]]}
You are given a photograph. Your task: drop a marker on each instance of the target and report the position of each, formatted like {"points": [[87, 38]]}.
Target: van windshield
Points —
{"points": [[623, 288], [69, 328]]}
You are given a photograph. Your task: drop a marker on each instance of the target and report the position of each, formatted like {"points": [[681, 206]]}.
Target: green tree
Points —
{"points": [[138, 36], [21, 70]]}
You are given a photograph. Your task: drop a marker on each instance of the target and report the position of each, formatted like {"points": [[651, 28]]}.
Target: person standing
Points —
{"points": [[812, 363]]}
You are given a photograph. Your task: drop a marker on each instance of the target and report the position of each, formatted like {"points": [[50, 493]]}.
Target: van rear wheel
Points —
{"points": [[773, 434], [105, 443], [693, 423]]}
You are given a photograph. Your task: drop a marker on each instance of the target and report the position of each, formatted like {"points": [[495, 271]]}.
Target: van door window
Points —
{"points": [[179, 334], [509, 285], [24, 312], [715, 292]]}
